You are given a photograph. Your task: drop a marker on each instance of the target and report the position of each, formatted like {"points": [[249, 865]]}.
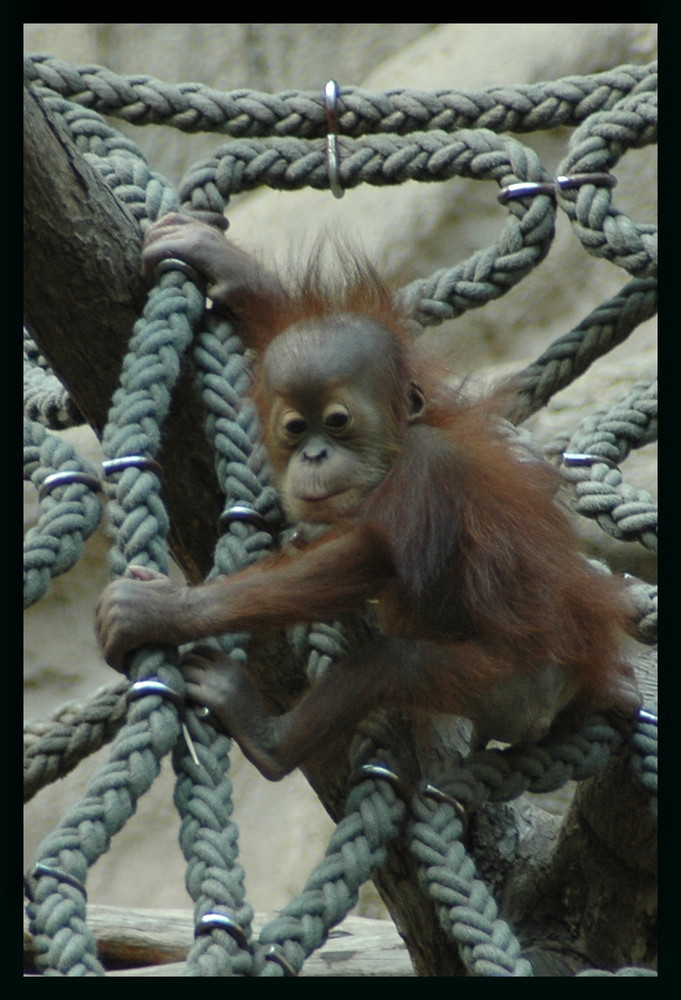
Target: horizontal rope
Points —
{"points": [[52, 749], [194, 107]]}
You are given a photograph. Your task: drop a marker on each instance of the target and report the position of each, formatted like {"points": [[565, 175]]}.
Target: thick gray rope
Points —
{"points": [[193, 107], [53, 748], [570, 355], [466, 908], [209, 841], [69, 513], [644, 744], [599, 492], [208, 836], [644, 601], [595, 147], [150, 370], [373, 817], [45, 399]]}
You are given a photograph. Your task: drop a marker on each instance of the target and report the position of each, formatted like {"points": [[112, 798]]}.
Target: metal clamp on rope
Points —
{"points": [[435, 793], [148, 686], [646, 716], [526, 189], [65, 479], [223, 922], [175, 264], [375, 769], [567, 182], [273, 954], [113, 465], [41, 869], [331, 92], [576, 459], [246, 515]]}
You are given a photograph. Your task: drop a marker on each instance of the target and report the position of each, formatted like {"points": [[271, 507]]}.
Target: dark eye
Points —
{"points": [[336, 417], [293, 425]]}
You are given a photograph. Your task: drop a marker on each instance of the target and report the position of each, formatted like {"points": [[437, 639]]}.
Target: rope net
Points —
{"points": [[280, 141]]}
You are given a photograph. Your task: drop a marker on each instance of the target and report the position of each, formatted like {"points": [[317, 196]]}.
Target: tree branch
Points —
{"points": [[82, 294]]}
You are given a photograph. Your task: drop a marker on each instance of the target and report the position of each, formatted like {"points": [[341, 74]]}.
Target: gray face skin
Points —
{"points": [[332, 433]]}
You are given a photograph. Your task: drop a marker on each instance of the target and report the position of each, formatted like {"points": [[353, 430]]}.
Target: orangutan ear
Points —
{"points": [[416, 403]]}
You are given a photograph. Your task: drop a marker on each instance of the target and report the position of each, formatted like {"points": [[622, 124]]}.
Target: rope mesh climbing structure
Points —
{"points": [[279, 141]]}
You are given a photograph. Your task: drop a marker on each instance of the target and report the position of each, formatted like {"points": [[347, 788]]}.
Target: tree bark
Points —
{"points": [[83, 294]]}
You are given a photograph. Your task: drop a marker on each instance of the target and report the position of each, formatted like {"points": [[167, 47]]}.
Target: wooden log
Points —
{"points": [[155, 942]]}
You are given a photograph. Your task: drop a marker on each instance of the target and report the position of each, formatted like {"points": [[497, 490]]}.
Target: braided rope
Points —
{"points": [[69, 513], [52, 749], [209, 842], [644, 758], [372, 818], [599, 492], [596, 146], [203, 795], [193, 107], [501, 775], [571, 354], [466, 908], [46, 401], [644, 602], [139, 407]]}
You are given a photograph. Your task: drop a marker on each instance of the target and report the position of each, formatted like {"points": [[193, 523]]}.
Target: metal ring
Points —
{"points": [[113, 465], [576, 459], [239, 512], [65, 479], [273, 954], [223, 922], [331, 92], [526, 189], [50, 871], [375, 769], [152, 686], [435, 793], [175, 264], [567, 181]]}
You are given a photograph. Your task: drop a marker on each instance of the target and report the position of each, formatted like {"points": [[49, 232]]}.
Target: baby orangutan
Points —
{"points": [[418, 503]]}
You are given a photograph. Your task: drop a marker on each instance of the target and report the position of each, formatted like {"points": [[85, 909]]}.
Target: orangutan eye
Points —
{"points": [[336, 417], [293, 425]]}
